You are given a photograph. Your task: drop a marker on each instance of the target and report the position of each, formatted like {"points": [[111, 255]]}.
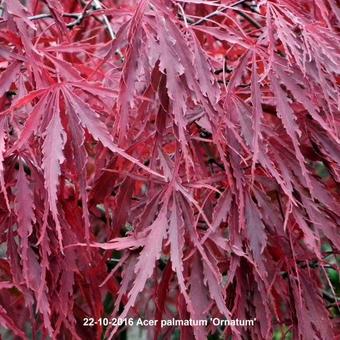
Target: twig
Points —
{"points": [[218, 12], [248, 18], [252, 8], [330, 297], [183, 15], [221, 70], [96, 5], [222, 10], [333, 305], [79, 17], [48, 15]]}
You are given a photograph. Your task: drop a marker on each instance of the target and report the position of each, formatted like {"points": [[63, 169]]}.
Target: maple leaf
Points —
{"points": [[54, 136], [24, 209]]}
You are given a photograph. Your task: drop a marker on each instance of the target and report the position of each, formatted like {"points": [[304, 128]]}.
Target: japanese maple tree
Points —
{"points": [[169, 159]]}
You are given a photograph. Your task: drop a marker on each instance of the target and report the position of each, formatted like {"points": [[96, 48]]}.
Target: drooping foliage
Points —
{"points": [[169, 159]]}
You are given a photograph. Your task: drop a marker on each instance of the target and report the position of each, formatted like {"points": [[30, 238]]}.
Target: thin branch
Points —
{"points": [[248, 18], [97, 5], [222, 10], [48, 15], [217, 12], [329, 297], [221, 70], [183, 15], [333, 305], [79, 17]]}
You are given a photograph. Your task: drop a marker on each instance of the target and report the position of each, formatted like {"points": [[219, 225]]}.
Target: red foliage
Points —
{"points": [[162, 155]]}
